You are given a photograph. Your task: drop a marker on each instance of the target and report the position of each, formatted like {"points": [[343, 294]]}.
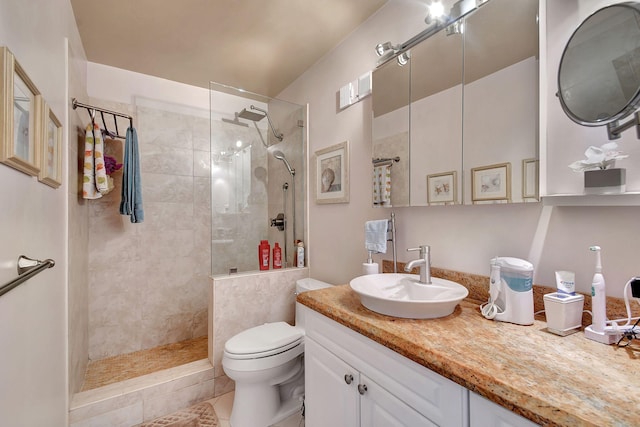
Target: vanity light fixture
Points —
{"points": [[435, 12], [403, 58], [455, 28], [383, 49]]}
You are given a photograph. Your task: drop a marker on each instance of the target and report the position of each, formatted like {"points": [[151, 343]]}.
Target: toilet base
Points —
{"points": [[262, 404]]}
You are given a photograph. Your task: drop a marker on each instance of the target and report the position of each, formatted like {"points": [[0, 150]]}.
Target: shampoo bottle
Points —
{"points": [[277, 256], [598, 295], [263, 254]]}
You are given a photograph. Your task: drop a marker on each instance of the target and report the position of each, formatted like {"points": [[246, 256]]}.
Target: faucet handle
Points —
{"points": [[424, 249]]}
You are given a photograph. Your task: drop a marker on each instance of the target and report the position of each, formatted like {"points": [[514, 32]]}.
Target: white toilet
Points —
{"points": [[266, 363]]}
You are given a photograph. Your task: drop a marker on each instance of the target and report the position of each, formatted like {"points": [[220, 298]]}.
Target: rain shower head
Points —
{"points": [[256, 117], [249, 115], [280, 156], [235, 121]]}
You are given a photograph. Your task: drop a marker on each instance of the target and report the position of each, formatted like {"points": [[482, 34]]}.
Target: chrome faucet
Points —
{"points": [[424, 263]]}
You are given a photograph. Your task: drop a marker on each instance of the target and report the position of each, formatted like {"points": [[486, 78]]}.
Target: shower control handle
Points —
{"points": [[278, 222], [348, 378]]}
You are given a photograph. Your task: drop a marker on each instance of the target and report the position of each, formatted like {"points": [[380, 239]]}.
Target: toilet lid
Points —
{"points": [[263, 338]]}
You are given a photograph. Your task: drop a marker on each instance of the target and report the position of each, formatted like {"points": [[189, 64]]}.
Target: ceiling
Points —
{"points": [[257, 45]]}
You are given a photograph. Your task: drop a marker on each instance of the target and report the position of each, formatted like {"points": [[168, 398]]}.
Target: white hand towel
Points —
{"points": [[375, 235]]}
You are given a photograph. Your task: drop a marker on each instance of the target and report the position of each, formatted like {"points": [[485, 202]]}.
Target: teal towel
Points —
{"points": [[131, 203]]}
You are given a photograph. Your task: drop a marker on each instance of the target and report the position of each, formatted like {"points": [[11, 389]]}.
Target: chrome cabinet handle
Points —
{"points": [[348, 378], [362, 388]]}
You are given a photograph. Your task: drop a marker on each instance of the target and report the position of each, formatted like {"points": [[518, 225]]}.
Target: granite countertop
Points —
{"points": [[551, 380]]}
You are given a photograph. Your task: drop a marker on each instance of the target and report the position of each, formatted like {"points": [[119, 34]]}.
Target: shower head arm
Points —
{"points": [[278, 136]]}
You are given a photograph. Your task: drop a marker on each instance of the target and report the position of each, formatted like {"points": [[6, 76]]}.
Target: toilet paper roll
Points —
{"points": [[370, 268]]}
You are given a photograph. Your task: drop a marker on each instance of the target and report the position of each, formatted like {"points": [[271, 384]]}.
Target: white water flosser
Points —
{"points": [[596, 331]]}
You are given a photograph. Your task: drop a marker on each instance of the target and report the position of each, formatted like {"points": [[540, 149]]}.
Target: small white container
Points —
{"points": [[563, 312]]}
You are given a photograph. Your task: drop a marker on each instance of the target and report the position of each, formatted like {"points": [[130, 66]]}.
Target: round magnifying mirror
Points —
{"points": [[599, 75]]}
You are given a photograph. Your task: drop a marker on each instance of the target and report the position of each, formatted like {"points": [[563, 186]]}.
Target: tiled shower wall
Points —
{"points": [[148, 282]]}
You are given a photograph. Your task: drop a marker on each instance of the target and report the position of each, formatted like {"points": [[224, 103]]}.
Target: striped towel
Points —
{"points": [[94, 180]]}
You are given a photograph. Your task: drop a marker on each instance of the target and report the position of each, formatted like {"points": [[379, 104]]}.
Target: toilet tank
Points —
{"points": [[304, 285]]}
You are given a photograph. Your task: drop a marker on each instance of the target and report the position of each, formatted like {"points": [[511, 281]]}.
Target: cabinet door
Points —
{"points": [[484, 413], [331, 396], [379, 408]]}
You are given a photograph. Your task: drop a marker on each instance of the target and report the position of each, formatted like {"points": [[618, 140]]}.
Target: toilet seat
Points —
{"points": [[263, 341]]}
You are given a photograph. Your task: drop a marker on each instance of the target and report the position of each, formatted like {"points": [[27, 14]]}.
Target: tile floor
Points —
{"points": [[222, 406], [132, 365]]}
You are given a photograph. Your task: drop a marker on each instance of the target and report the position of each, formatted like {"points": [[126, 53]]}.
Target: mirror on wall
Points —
{"points": [[598, 79], [436, 118], [473, 111], [390, 163], [501, 103]]}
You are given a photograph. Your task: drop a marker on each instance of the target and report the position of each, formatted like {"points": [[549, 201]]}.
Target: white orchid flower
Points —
{"points": [[603, 157]]}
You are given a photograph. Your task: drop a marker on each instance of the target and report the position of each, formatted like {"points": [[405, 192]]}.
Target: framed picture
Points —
{"points": [[20, 110], [332, 174], [442, 188], [530, 173], [491, 183], [51, 151]]}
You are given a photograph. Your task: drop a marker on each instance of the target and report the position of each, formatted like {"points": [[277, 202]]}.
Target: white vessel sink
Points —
{"points": [[401, 295]]}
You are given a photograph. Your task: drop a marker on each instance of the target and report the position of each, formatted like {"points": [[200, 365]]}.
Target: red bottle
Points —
{"points": [[264, 250], [277, 256]]}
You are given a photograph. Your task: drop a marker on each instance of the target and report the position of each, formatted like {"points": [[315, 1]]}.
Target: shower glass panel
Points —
{"points": [[258, 147]]}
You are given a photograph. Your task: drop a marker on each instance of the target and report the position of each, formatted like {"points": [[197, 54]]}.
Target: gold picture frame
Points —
{"points": [[332, 174], [530, 178], [491, 183], [20, 112], [51, 150], [442, 188]]}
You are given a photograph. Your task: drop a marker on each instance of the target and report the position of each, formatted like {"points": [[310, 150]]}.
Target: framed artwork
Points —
{"points": [[530, 179], [20, 111], [442, 188], [332, 174], [491, 183], [51, 151]]}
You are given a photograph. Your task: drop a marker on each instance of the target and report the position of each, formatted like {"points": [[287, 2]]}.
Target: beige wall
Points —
{"points": [[462, 238], [33, 221]]}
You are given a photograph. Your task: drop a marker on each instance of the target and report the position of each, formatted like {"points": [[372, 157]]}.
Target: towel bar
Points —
{"points": [[92, 111], [27, 268]]}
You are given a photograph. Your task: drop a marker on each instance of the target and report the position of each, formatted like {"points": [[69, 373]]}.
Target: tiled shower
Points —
{"points": [[208, 202]]}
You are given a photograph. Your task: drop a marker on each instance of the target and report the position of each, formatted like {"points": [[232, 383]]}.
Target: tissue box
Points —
{"points": [[563, 312]]}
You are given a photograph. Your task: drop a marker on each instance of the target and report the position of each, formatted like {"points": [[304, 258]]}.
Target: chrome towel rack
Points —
{"points": [[385, 161], [391, 229], [92, 112], [27, 268]]}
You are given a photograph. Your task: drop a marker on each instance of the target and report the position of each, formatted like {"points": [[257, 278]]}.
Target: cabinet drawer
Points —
{"points": [[435, 397]]}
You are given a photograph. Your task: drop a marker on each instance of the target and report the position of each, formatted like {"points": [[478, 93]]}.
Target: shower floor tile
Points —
{"points": [[126, 366]]}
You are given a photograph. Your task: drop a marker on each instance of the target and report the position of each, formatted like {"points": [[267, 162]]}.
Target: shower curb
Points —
{"points": [[144, 398]]}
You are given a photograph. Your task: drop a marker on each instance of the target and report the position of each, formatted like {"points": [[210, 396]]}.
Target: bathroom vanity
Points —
{"points": [[367, 369]]}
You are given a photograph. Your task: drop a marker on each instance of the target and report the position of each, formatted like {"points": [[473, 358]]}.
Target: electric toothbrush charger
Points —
{"points": [[601, 337]]}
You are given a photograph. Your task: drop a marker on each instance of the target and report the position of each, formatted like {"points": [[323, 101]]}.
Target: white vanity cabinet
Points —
{"points": [[340, 396], [353, 381], [485, 413]]}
